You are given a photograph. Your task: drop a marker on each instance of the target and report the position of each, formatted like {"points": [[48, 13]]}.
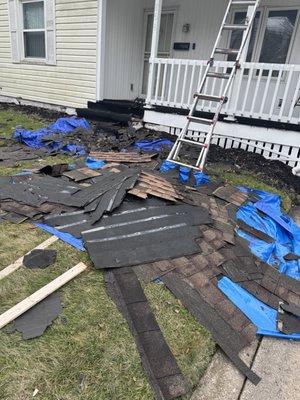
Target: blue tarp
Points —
{"points": [[167, 166], [201, 179], [62, 126], [153, 145], [184, 173], [262, 316], [93, 163], [279, 226], [65, 237]]}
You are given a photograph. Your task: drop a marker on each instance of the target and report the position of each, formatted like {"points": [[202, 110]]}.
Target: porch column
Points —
{"points": [[154, 47]]}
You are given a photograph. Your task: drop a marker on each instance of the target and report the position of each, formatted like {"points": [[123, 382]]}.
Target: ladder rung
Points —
{"points": [[200, 120], [184, 165], [226, 51], [234, 27], [208, 97], [241, 3], [218, 75], [192, 142]]}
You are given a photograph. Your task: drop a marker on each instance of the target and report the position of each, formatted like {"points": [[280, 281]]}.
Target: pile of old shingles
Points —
{"points": [[137, 226]]}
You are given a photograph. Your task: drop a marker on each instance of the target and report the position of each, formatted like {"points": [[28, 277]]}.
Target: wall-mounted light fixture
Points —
{"points": [[186, 28]]}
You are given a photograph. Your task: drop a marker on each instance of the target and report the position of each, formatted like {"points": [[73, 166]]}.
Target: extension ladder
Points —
{"points": [[183, 137]]}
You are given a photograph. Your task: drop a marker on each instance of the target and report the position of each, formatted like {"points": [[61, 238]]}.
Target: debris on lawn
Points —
{"points": [[39, 258], [52, 137], [229, 255], [34, 322], [19, 262], [19, 309]]}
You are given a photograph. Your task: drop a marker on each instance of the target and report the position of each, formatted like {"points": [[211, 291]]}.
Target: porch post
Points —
{"points": [[100, 52], [154, 47]]}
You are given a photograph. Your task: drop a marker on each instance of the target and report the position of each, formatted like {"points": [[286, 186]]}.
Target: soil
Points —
{"points": [[254, 163], [113, 136]]}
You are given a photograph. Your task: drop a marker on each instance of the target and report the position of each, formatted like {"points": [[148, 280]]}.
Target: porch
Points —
{"points": [[268, 92], [265, 92]]}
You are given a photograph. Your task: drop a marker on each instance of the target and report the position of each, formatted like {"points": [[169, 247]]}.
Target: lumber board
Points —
{"points": [[17, 310], [19, 262], [122, 157]]}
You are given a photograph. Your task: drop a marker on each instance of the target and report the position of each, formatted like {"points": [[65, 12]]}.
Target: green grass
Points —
{"points": [[88, 352], [254, 183], [90, 340], [11, 119]]}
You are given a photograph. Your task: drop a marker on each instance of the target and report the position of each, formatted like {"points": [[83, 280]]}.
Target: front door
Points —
{"points": [[165, 41]]}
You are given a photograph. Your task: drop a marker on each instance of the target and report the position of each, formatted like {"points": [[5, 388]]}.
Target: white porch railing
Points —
{"points": [[265, 91]]}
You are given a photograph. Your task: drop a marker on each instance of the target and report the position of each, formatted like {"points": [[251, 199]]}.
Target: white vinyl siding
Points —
{"points": [[71, 82]]}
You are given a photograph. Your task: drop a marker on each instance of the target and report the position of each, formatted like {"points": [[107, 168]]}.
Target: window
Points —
{"points": [[279, 31], [34, 29], [271, 37]]}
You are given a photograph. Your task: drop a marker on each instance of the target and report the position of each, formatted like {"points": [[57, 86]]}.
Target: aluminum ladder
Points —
{"points": [[183, 137]]}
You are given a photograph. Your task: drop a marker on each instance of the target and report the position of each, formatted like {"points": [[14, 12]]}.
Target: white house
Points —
{"points": [[65, 53]]}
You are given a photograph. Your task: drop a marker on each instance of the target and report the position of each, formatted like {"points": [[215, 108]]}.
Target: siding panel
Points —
{"points": [[72, 82]]}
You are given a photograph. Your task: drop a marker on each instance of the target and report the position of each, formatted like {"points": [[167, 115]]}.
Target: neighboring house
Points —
{"points": [[65, 53]]}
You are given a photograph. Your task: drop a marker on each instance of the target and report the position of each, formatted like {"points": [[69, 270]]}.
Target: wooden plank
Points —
{"points": [[122, 157], [17, 310], [18, 263]]}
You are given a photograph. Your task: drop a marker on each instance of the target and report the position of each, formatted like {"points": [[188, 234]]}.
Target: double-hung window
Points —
{"points": [[32, 31], [34, 40], [272, 35]]}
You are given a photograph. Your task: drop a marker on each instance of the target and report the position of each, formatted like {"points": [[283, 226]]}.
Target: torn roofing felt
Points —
{"points": [[35, 321], [145, 235], [157, 359]]}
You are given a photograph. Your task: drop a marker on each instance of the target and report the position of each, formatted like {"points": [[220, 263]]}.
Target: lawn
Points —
{"points": [[88, 352]]}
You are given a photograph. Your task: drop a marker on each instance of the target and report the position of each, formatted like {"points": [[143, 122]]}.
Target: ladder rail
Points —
{"points": [[201, 161], [201, 86], [174, 153]]}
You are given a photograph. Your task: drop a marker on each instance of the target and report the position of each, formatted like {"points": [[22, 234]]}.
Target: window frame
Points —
{"points": [[20, 17], [262, 26]]}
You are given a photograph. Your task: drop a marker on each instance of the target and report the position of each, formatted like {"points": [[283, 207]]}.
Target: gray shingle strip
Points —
{"points": [[159, 364]]}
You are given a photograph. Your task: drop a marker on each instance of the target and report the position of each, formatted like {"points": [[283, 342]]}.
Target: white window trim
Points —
{"points": [[262, 29], [41, 60], [15, 12]]}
